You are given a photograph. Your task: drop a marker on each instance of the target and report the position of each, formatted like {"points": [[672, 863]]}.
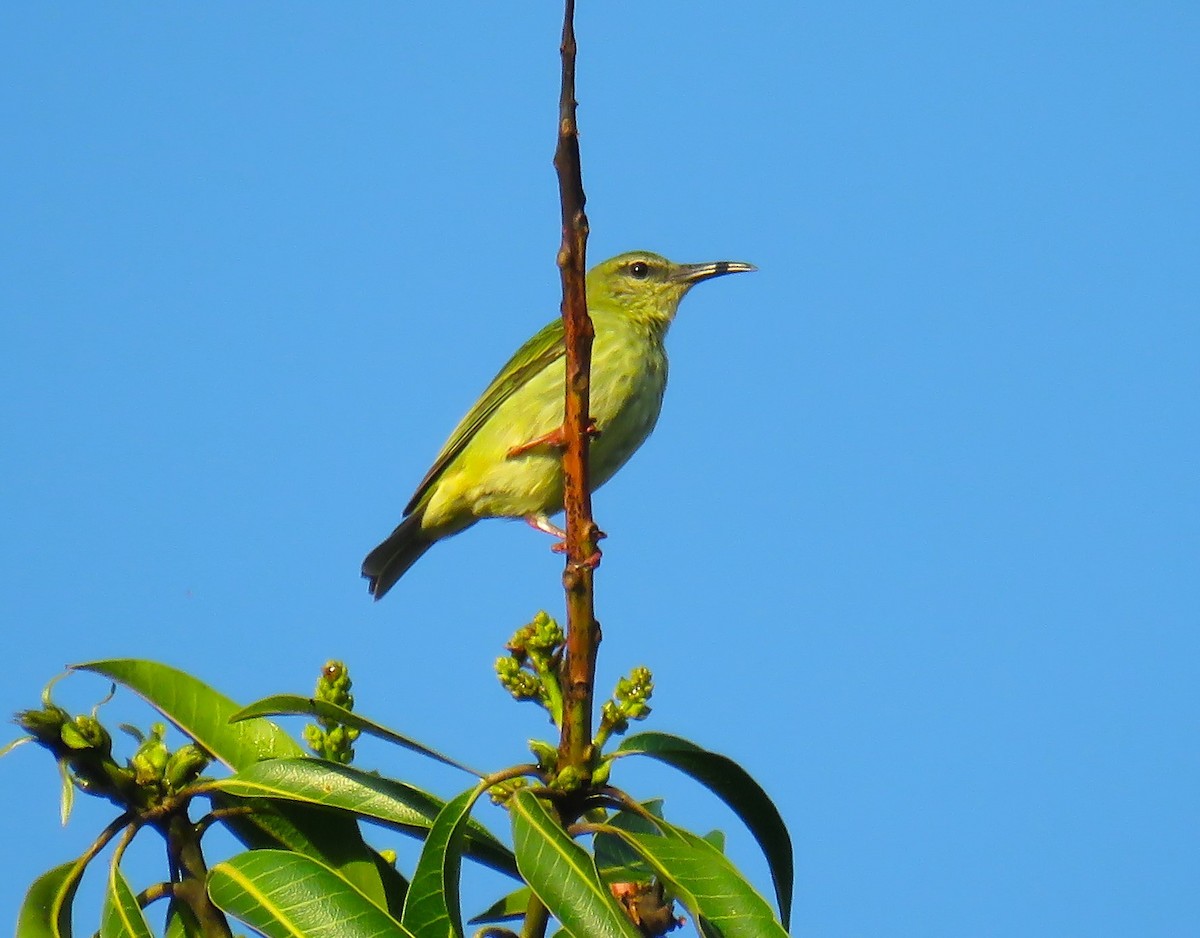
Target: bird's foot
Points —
{"points": [[591, 562], [546, 526], [556, 439]]}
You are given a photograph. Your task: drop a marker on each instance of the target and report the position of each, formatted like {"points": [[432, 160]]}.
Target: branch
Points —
{"points": [[583, 632]]}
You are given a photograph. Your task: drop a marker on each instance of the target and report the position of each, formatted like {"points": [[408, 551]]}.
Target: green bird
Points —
{"points": [[504, 459]]}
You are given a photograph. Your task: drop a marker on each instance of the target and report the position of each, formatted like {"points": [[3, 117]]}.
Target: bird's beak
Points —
{"points": [[694, 273]]}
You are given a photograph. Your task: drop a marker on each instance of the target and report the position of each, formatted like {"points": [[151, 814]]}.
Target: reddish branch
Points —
{"points": [[583, 632]]}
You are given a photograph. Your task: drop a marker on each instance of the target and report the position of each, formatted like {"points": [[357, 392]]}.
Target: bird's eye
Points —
{"points": [[639, 270]]}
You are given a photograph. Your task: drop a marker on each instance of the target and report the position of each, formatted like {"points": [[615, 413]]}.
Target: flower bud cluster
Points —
{"points": [[530, 669], [328, 738], [83, 749], [629, 702]]}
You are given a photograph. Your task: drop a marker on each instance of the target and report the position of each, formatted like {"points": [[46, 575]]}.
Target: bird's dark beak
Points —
{"points": [[694, 273]]}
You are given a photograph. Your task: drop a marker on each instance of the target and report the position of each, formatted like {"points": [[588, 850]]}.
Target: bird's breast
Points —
{"points": [[629, 378]]}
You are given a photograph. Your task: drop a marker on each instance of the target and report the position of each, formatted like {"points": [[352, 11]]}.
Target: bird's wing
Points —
{"points": [[542, 350]]}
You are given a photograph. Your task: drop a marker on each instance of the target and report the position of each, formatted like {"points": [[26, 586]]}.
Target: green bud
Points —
{"points": [[612, 717], [334, 685], [502, 791], [149, 762], [546, 754], [571, 778], [633, 692], [639, 686], [636, 710], [602, 772], [518, 645], [546, 634], [148, 767], [45, 726], [185, 766], [339, 744], [85, 732], [517, 681]]}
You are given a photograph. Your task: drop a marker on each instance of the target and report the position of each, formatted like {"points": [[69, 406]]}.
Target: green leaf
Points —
{"points": [[432, 905], [181, 921], [295, 705], [66, 799], [199, 711], [286, 895], [46, 911], [203, 714], [330, 785], [733, 785], [505, 909], [394, 884], [562, 874], [121, 917], [709, 886], [614, 856]]}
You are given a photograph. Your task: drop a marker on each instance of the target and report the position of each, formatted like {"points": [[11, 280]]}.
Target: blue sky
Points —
{"points": [[916, 540]]}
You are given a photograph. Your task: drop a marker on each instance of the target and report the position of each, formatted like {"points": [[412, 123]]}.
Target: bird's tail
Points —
{"points": [[390, 560]]}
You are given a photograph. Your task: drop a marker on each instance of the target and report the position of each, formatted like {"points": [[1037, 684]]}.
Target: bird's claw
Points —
{"points": [[591, 562], [544, 524]]}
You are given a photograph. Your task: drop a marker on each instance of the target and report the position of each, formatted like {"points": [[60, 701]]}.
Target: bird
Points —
{"points": [[504, 459]]}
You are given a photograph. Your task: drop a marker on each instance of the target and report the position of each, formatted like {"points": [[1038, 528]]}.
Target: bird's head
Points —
{"points": [[648, 287]]}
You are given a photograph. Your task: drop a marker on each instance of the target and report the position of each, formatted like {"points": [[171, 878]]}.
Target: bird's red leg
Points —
{"points": [[554, 439]]}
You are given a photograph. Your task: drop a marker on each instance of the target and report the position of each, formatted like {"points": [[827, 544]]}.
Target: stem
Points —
{"points": [[154, 893], [583, 632], [186, 857], [537, 917]]}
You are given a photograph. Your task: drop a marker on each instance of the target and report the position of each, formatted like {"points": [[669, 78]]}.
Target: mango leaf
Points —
{"points": [[562, 874], [701, 877], [46, 911], [66, 799], [121, 917], [332, 838], [203, 714], [432, 905], [287, 895], [394, 883], [293, 705], [733, 785], [181, 921], [380, 799], [505, 909], [614, 856], [199, 711]]}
